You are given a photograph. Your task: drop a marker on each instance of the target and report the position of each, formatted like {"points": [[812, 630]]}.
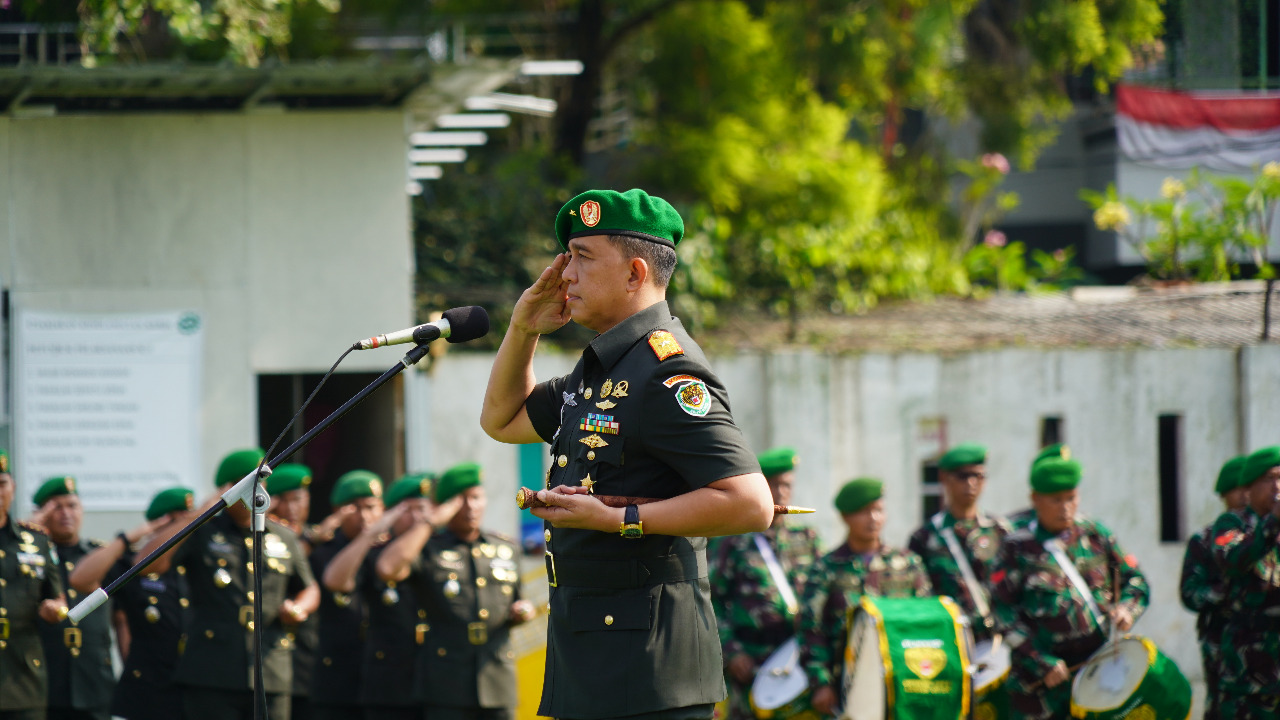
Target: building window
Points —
{"points": [[930, 488], [1169, 447], [1051, 430]]}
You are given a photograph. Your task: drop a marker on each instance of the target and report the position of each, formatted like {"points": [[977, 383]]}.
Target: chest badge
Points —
{"points": [[222, 578], [452, 588], [597, 423], [664, 345], [606, 404], [620, 389], [593, 441]]}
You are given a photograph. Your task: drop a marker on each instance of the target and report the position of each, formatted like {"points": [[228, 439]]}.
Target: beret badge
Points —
{"points": [[590, 213]]}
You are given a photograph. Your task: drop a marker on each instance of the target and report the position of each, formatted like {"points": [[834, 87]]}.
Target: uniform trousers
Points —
{"points": [[65, 713], [692, 712], [440, 712], [28, 714], [385, 712], [201, 703]]}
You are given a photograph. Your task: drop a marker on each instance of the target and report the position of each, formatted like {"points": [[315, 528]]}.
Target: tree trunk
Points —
{"points": [[578, 105]]}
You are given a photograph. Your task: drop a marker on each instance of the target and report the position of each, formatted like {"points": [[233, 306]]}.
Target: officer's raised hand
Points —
{"points": [[542, 307]]}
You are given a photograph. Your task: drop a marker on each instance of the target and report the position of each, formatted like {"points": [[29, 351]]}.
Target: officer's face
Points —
{"points": [[1056, 511], [1236, 498], [1263, 491], [865, 525], [293, 506], [367, 511], [780, 486], [6, 493], [62, 516], [467, 522], [964, 484], [599, 278]]}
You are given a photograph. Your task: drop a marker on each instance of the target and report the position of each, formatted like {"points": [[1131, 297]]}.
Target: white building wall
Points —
{"points": [[861, 415]]}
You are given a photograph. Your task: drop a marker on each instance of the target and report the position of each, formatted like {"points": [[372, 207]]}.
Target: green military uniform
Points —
{"points": [[1039, 611], [753, 614], [1245, 548], [27, 578], [979, 540], [1203, 592], [304, 636]]}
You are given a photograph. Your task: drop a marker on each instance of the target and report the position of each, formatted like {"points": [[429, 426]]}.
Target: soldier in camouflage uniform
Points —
{"points": [[1202, 587], [1245, 548], [1049, 625], [977, 535], [1022, 518], [754, 614], [862, 565]]}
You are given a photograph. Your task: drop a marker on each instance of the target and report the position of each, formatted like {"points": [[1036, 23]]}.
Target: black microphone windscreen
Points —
{"points": [[467, 323]]}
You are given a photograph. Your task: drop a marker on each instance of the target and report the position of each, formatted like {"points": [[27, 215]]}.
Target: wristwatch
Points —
{"points": [[632, 528]]}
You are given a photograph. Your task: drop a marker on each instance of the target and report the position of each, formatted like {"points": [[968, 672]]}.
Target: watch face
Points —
{"points": [[633, 531]]}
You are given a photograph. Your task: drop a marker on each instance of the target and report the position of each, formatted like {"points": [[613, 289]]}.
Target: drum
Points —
{"points": [[1130, 678], [907, 658], [991, 664], [781, 688]]}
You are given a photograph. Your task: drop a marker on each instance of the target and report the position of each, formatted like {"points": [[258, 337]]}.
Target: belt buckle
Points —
{"points": [[4, 628], [246, 616], [551, 570], [72, 637], [477, 633]]}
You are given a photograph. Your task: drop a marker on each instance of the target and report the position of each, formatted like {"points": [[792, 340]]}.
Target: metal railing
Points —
{"points": [[35, 44]]}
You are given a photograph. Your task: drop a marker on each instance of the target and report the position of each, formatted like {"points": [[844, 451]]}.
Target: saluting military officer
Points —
{"points": [[335, 682], [754, 584], [290, 489], [862, 565], [1053, 593], [81, 678], [631, 630], [1203, 589], [468, 581], [30, 588], [1246, 550], [153, 606], [216, 669], [1057, 451], [960, 543], [397, 625]]}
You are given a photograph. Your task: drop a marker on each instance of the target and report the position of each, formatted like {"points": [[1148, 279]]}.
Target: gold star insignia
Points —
{"points": [[589, 484]]}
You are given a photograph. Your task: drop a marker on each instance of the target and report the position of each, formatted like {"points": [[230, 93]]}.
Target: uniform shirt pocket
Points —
{"points": [[595, 613]]}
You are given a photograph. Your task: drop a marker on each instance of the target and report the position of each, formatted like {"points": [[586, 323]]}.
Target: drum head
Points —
{"points": [[781, 679], [1111, 676], [991, 664], [864, 670]]}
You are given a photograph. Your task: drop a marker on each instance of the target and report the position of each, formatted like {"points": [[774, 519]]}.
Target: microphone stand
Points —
{"points": [[247, 490]]}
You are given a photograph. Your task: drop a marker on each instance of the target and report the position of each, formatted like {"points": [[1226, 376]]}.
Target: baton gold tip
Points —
{"points": [[794, 510]]}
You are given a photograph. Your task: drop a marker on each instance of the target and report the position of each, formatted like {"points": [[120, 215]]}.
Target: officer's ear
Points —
{"points": [[639, 273]]}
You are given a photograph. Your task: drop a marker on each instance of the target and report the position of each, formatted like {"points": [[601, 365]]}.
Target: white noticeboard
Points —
{"points": [[110, 400]]}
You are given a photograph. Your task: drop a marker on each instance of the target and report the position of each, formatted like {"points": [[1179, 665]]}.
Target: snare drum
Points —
{"points": [[1130, 678], [781, 688], [991, 664], [906, 658]]}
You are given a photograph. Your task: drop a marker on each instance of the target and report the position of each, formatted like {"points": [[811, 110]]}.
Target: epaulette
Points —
{"points": [[664, 345], [286, 524], [501, 538], [33, 527], [95, 543]]}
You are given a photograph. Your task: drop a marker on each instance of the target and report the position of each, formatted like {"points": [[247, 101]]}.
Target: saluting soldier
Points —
{"points": [[335, 682], [1203, 590], [290, 489], [31, 594], [78, 657], [468, 581], [153, 606], [1057, 451], [631, 630], [1053, 593], [959, 544], [754, 585], [862, 565], [1246, 550], [216, 668], [397, 624]]}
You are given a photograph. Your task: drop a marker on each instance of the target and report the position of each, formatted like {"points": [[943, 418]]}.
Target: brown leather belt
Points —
{"points": [[623, 574]]}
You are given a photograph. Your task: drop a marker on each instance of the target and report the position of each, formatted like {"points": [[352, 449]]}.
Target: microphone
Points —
{"points": [[459, 324]]}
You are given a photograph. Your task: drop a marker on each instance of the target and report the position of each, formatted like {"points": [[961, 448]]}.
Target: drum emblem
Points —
{"points": [[1142, 712], [925, 662]]}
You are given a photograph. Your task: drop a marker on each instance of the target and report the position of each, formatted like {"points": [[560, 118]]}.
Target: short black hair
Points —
{"points": [[660, 258]]}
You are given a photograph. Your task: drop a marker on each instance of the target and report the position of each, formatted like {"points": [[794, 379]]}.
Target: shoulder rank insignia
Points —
{"points": [[664, 345]]}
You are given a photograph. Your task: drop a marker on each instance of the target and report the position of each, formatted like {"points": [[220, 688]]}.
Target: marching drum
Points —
{"points": [[906, 658], [781, 688], [991, 664], [1130, 678]]}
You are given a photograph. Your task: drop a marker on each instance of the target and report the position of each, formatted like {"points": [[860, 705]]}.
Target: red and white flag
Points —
{"points": [[1227, 131]]}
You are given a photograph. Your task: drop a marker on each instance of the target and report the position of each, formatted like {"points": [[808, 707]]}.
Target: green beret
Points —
{"points": [[1229, 475], [857, 494], [1057, 451], [289, 476], [1258, 463], [961, 455], [456, 479], [608, 212], [1055, 475], [355, 485], [171, 500], [777, 461], [4, 461], [235, 466], [53, 487], [417, 485]]}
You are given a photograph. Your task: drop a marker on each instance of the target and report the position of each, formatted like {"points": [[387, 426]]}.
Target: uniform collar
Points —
{"points": [[9, 528], [982, 520], [610, 345]]}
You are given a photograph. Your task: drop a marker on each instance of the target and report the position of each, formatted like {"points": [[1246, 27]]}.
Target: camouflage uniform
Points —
{"points": [[752, 616], [1244, 547], [1021, 519], [1203, 593], [835, 584], [980, 541], [1042, 616]]}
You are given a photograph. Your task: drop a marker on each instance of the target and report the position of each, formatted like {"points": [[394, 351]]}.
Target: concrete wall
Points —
{"points": [[288, 232], [881, 415]]}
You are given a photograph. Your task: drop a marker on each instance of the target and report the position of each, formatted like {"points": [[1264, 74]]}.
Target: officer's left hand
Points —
{"points": [[291, 613], [573, 507], [522, 612], [1122, 617], [53, 610]]}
